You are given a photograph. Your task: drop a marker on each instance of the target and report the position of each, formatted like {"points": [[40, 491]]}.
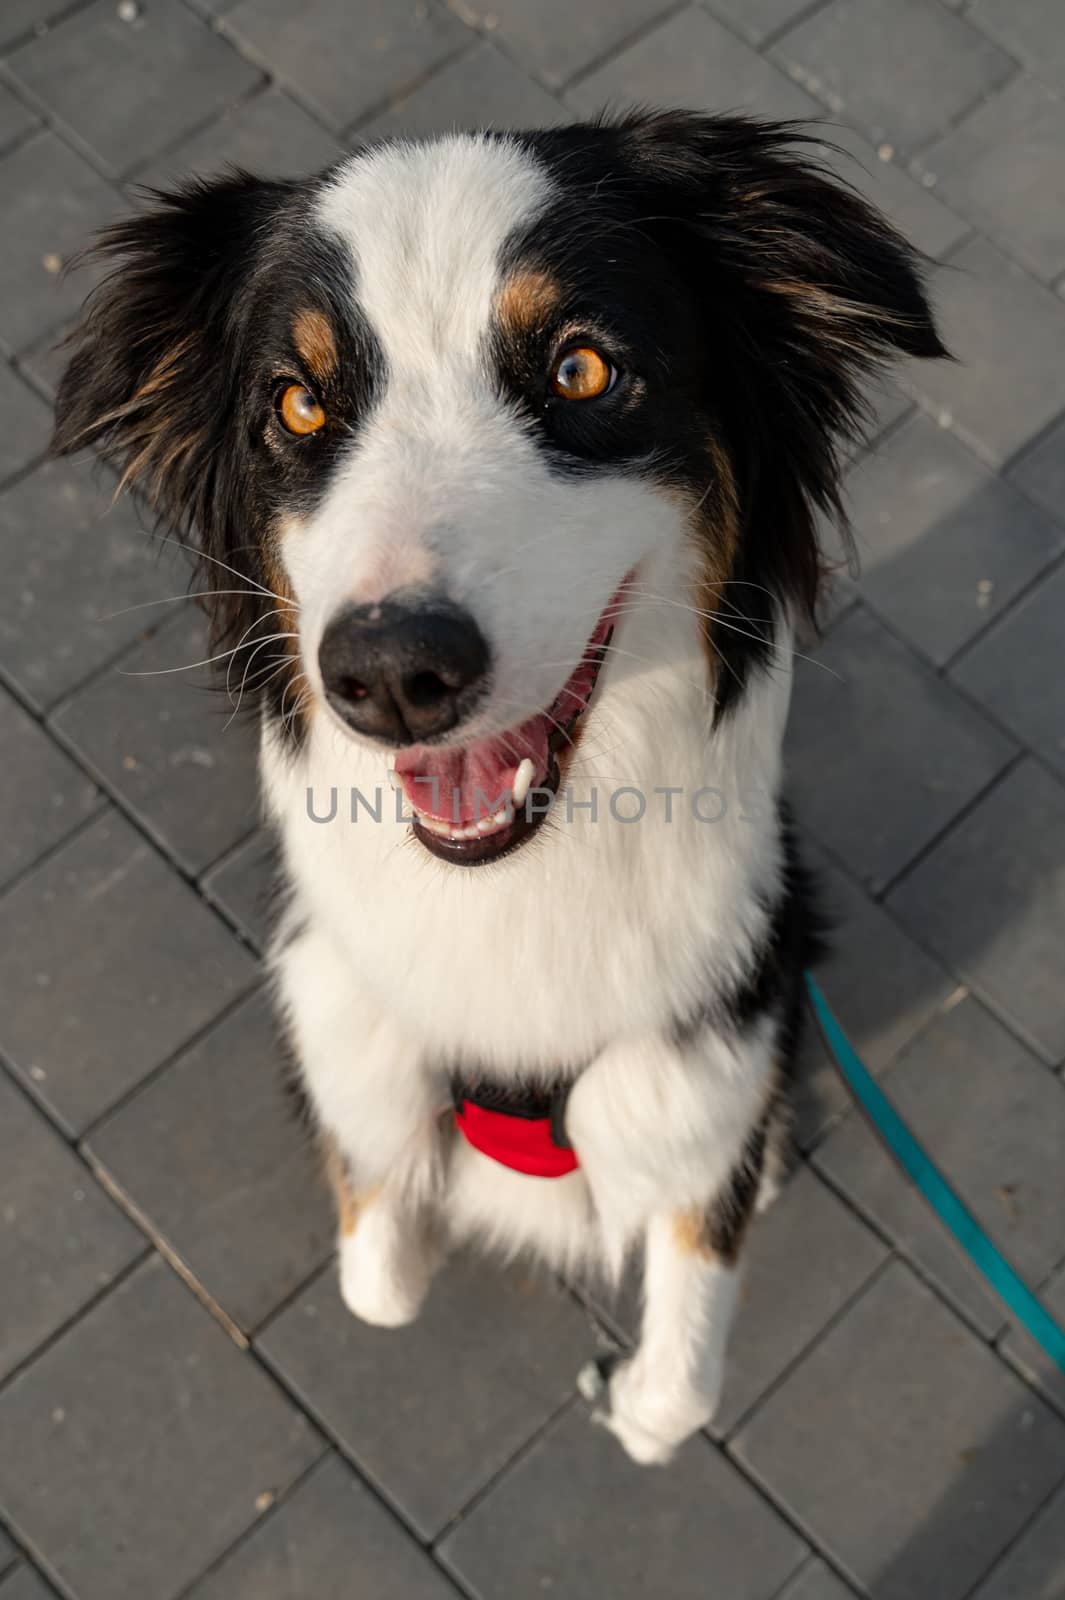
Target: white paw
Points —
{"points": [[379, 1290], [649, 1424]]}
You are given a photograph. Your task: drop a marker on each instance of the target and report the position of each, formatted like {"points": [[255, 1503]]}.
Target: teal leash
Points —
{"points": [[945, 1202]]}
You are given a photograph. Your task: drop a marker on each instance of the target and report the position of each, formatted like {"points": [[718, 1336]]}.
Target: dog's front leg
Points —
{"points": [[672, 1140], [377, 1111]]}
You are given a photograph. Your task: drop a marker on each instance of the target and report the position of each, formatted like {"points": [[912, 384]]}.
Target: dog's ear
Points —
{"points": [[806, 290], [154, 372], [836, 284]]}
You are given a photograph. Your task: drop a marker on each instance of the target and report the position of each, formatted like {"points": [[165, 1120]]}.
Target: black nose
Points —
{"points": [[403, 671]]}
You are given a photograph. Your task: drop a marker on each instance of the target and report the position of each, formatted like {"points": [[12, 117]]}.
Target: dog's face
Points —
{"points": [[443, 409]]}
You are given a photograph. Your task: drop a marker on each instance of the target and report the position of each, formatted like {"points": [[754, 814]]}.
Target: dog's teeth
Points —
{"points": [[498, 819], [395, 780], [523, 781]]}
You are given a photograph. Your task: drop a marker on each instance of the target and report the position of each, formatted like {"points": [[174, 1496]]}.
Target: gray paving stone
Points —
{"points": [[881, 985], [807, 1257], [49, 798], [269, 135], [52, 202], [873, 786], [945, 545], [169, 743], [902, 70], [242, 885], [346, 61], [482, 89], [1004, 168], [1015, 670], [1035, 1568], [1022, 1351], [918, 214], [331, 1540], [44, 362], [211, 1154], [61, 1239], [212, 8], [115, 963], [990, 900], [993, 1119], [887, 404], [692, 60], [555, 41], [933, 1454], [757, 19], [25, 1584], [1031, 29], [492, 1355], [817, 1582], [72, 587], [139, 1444], [1008, 335], [111, 83], [16, 119], [1040, 472], [25, 423], [582, 1520], [20, 17]]}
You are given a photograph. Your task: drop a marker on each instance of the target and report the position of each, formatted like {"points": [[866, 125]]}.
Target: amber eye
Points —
{"points": [[299, 410], [582, 374]]}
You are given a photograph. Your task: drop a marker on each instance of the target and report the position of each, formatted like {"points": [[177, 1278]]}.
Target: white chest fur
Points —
{"points": [[599, 926]]}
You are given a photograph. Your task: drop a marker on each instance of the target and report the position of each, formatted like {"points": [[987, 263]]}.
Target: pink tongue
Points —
{"points": [[460, 786]]}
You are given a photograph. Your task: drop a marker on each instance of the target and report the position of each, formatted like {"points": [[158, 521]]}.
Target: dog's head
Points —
{"points": [[433, 418]]}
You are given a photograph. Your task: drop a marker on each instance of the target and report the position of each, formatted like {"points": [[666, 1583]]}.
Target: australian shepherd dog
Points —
{"points": [[504, 457]]}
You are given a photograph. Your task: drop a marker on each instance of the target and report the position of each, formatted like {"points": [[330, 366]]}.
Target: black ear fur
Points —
{"points": [[809, 290], [786, 226], [154, 378]]}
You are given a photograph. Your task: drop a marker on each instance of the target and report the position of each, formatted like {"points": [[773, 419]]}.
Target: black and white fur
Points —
{"points": [[741, 294]]}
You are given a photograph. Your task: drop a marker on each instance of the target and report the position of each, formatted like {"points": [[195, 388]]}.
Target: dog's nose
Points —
{"points": [[403, 671]]}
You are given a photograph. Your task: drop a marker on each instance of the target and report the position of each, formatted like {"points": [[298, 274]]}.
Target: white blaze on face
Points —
{"points": [[445, 485]]}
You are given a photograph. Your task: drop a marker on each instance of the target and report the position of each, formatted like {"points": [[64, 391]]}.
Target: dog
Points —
{"points": [[504, 456]]}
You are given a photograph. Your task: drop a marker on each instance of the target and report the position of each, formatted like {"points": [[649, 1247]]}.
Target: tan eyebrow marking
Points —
{"points": [[527, 300], [313, 337]]}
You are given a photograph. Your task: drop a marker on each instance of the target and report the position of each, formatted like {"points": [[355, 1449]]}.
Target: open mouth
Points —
{"points": [[477, 802]]}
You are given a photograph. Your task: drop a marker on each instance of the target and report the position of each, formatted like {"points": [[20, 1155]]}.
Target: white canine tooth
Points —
{"points": [[523, 781], [395, 780]]}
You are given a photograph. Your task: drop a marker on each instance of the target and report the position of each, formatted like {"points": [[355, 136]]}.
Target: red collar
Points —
{"points": [[519, 1131]]}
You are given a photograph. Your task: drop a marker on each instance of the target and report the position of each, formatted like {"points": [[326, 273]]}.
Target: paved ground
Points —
{"points": [[185, 1408]]}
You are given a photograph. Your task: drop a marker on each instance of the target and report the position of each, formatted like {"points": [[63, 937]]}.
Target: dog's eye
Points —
{"points": [[582, 374], [299, 410]]}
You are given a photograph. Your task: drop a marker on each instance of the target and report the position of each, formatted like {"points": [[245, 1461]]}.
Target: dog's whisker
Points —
{"points": [[262, 684], [190, 594], [302, 700], [264, 644], [277, 612], [647, 596], [190, 666], [722, 622], [202, 555]]}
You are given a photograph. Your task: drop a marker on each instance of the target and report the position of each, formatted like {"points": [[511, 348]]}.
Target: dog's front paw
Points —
{"points": [[380, 1289], [649, 1424]]}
